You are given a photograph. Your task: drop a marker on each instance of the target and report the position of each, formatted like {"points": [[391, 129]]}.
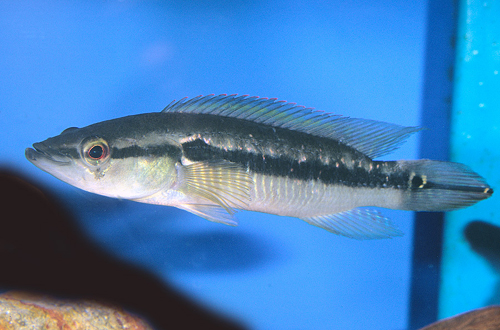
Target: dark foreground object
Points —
{"points": [[487, 318], [41, 250]]}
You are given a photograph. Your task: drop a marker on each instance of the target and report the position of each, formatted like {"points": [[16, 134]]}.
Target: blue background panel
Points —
{"points": [[434, 144], [470, 254]]}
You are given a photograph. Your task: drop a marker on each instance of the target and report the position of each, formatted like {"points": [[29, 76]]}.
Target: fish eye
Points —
{"points": [[95, 151]]}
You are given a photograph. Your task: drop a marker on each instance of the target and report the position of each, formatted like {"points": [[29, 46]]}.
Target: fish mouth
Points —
{"points": [[41, 154]]}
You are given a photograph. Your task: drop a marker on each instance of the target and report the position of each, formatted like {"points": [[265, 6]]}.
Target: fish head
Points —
{"points": [[106, 161]]}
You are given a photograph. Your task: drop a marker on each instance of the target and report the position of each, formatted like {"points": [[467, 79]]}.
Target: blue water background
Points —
{"points": [[75, 63]]}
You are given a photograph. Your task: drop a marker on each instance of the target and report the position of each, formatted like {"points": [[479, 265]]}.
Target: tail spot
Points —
{"points": [[417, 181]]}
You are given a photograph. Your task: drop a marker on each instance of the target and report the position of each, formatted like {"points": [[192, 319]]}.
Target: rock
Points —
{"points": [[486, 318], [21, 310]]}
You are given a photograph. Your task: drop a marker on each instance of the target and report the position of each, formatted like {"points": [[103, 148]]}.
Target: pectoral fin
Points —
{"points": [[210, 212], [219, 187]]}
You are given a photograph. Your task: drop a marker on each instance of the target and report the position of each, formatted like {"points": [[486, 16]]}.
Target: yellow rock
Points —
{"points": [[21, 310], [487, 318]]}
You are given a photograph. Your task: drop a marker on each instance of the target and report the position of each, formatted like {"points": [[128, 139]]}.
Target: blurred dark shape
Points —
{"points": [[484, 239], [218, 250], [41, 250], [487, 318]]}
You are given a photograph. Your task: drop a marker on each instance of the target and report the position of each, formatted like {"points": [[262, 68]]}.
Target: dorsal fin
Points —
{"points": [[371, 137]]}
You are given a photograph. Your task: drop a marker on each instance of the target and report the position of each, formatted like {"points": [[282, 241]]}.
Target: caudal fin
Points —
{"points": [[442, 186]]}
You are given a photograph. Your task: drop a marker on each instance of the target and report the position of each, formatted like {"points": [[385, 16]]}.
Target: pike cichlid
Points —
{"points": [[212, 155]]}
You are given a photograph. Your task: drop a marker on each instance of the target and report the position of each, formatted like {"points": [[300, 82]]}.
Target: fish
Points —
{"points": [[214, 155]]}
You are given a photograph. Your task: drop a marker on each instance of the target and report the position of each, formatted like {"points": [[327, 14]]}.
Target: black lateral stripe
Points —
{"points": [[472, 189], [152, 151], [199, 150]]}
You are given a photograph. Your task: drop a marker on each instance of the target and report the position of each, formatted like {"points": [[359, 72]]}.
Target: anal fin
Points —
{"points": [[358, 223]]}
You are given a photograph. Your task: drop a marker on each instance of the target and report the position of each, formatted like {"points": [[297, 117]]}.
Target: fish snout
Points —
{"points": [[43, 153]]}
